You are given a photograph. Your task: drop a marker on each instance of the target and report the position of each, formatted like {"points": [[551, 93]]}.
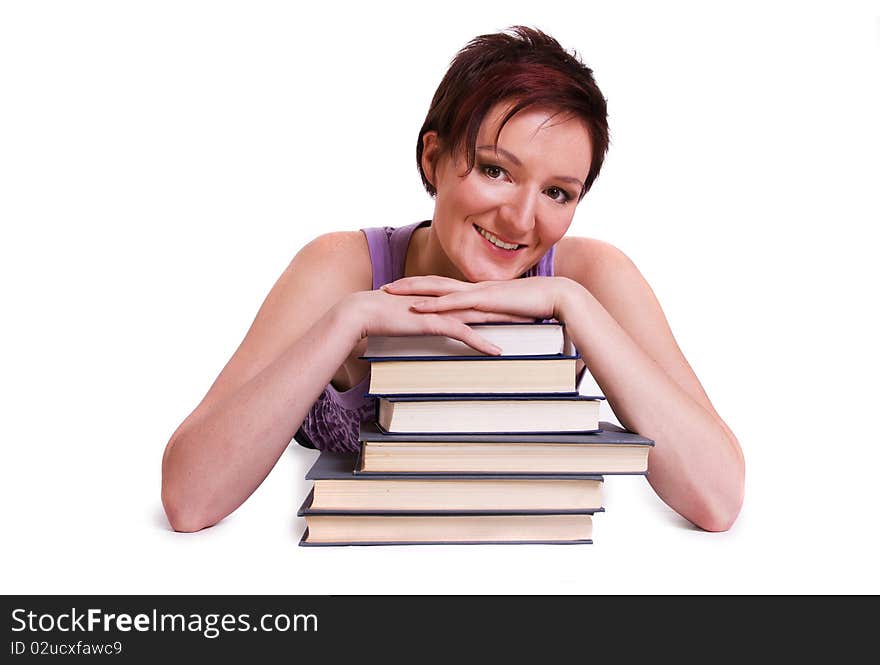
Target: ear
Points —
{"points": [[430, 153]]}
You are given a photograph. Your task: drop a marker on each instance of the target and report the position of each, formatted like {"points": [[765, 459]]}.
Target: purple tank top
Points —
{"points": [[334, 420]]}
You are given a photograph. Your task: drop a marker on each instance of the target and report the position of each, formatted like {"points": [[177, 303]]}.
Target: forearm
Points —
{"points": [[696, 465], [216, 462]]}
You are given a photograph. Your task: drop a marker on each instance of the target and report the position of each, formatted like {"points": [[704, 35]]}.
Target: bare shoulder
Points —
{"points": [[598, 266], [340, 258], [321, 274], [323, 271], [615, 281]]}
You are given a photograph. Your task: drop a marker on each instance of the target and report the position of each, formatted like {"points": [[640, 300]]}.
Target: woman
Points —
{"points": [[514, 138]]}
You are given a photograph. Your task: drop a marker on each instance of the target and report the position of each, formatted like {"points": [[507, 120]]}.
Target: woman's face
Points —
{"points": [[498, 220]]}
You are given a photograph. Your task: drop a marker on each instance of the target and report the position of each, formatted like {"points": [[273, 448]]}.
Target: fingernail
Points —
{"points": [[419, 305]]}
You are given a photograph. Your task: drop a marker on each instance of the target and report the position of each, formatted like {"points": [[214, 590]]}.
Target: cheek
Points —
{"points": [[555, 226], [470, 196]]}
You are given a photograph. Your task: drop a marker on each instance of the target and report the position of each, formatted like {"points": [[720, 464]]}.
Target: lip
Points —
{"points": [[495, 247]]}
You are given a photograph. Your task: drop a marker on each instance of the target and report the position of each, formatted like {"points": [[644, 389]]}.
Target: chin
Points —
{"points": [[490, 274]]}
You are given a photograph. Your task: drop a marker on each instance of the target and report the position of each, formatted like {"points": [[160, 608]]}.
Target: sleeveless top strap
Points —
{"points": [[378, 240], [388, 247], [544, 267]]}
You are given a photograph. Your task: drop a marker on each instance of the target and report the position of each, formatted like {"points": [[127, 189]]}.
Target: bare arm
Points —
{"points": [[304, 332], [697, 466], [216, 460], [617, 325], [222, 452]]}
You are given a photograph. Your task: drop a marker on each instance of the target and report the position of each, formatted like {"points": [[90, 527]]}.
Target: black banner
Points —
{"points": [[146, 628]]}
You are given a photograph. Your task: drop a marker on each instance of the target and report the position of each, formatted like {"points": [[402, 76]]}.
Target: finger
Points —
{"points": [[479, 299], [429, 285], [478, 316], [498, 298], [451, 327]]}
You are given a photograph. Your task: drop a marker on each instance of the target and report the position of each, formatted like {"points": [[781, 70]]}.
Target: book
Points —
{"points": [[612, 450], [345, 528], [337, 488], [447, 529], [496, 413], [473, 374], [514, 339]]}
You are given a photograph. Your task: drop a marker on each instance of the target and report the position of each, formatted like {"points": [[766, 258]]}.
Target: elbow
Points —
{"points": [[718, 519], [181, 509], [709, 491], [718, 512], [181, 516]]}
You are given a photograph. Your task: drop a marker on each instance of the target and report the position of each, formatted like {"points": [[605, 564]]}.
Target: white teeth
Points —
{"points": [[494, 240]]}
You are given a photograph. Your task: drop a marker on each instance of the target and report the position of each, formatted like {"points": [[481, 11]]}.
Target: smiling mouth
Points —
{"points": [[500, 244]]}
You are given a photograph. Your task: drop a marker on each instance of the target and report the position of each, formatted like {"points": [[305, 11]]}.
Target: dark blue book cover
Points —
{"points": [[558, 356], [607, 434], [492, 397]]}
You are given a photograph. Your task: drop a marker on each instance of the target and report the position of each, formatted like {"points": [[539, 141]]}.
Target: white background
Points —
{"points": [[161, 162]]}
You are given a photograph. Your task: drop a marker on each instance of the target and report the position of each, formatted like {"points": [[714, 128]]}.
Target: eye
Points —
{"points": [[558, 195], [492, 171]]}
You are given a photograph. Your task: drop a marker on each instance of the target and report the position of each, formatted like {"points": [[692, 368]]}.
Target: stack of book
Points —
{"points": [[468, 448]]}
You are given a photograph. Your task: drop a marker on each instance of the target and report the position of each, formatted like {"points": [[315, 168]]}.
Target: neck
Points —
{"points": [[425, 256]]}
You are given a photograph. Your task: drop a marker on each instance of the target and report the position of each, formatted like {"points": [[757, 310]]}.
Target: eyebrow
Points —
{"points": [[513, 158]]}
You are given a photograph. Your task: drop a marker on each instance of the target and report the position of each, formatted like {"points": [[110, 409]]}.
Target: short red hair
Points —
{"points": [[526, 67]]}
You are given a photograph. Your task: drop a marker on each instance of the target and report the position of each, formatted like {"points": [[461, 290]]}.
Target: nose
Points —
{"points": [[517, 214]]}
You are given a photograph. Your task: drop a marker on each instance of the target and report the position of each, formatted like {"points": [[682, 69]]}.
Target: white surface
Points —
{"points": [[160, 163]]}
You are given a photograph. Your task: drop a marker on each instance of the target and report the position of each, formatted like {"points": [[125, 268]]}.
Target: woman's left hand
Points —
{"points": [[537, 297]]}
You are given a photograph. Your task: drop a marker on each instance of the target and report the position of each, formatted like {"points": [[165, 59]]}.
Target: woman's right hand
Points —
{"points": [[381, 313]]}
